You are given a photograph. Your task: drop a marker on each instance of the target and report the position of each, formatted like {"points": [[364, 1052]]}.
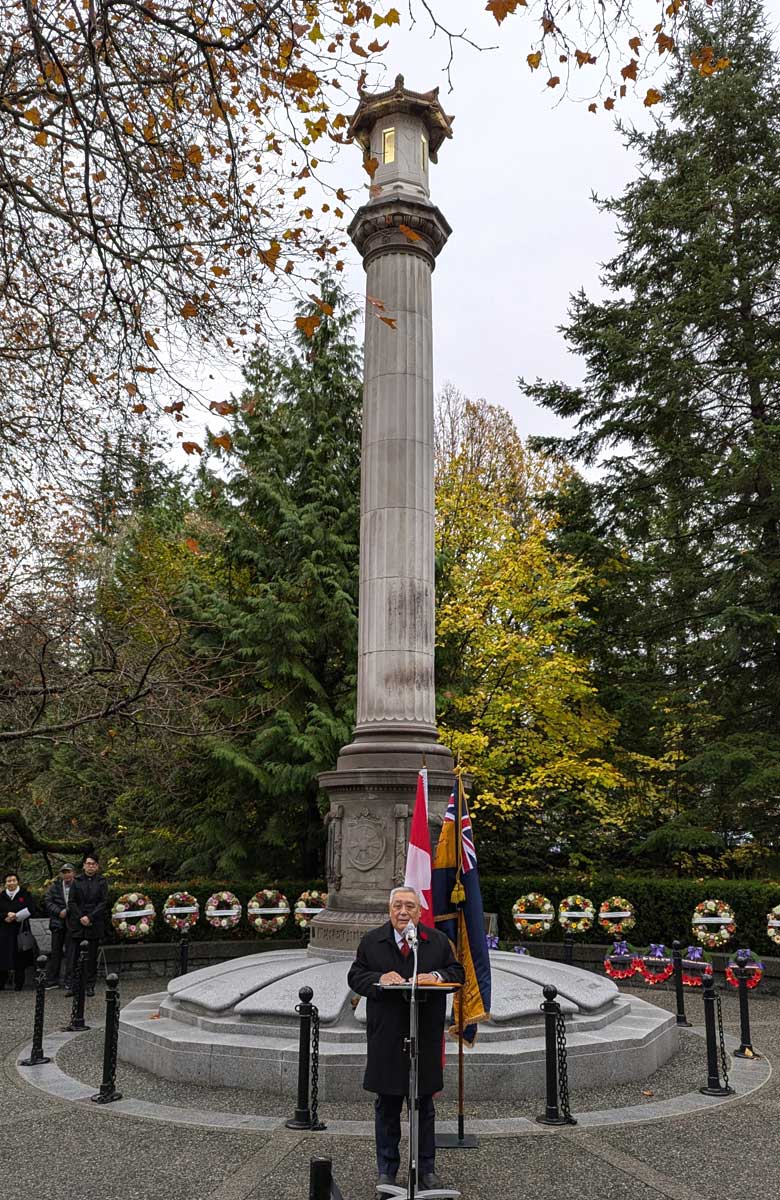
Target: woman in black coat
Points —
{"points": [[15, 907]]}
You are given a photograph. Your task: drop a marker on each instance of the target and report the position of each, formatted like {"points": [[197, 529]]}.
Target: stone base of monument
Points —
{"points": [[234, 1025]]}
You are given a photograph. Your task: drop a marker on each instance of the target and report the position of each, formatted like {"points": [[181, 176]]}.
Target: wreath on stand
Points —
{"points": [[533, 914], [656, 966], [576, 913], [307, 906], [622, 962], [773, 924], [223, 910], [181, 911], [267, 911], [616, 916], [713, 923], [745, 958], [133, 915], [695, 966]]}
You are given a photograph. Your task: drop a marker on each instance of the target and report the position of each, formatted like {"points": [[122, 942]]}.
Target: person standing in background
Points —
{"points": [[15, 907], [87, 905], [56, 902]]}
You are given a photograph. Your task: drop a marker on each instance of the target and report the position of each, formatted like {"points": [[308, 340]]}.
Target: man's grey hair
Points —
{"points": [[409, 891]]}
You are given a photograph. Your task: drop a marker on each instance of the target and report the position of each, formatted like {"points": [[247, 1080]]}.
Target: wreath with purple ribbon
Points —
{"points": [[622, 962], [656, 966]]}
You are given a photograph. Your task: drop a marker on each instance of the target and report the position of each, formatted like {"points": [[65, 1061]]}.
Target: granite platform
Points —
{"points": [[234, 1025]]}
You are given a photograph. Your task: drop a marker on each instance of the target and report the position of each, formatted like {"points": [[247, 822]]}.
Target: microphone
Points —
{"points": [[410, 934]]}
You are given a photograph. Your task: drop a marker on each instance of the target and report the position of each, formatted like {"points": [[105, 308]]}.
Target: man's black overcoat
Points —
{"points": [[88, 898], [387, 1013]]}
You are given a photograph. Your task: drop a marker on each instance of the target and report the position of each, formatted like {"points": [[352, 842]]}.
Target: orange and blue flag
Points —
{"points": [[458, 909]]}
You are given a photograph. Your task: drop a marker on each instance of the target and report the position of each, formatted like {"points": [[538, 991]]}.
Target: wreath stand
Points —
{"points": [[410, 1192]]}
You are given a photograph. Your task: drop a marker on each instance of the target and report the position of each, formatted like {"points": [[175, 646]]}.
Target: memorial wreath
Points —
{"points": [[533, 914], [267, 911], [616, 915], [133, 915], [695, 966], [576, 913], [656, 966], [223, 910], [181, 911], [307, 906], [713, 923], [622, 963], [773, 924], [754, 965]]}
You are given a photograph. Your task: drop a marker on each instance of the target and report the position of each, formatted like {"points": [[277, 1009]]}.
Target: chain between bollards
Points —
{"points": [[713, 1027], [108, 1092], [37, 1057], [184, 952], [678, 983], [556, 1072], [77, 1022], [308, 1050]]}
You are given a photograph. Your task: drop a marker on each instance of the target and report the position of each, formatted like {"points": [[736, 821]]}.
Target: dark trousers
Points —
{"points": [[92, 954], [387, 1125], [60, 948]]}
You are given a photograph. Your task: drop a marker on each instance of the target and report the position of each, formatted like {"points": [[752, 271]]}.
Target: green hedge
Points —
{"points": [[663, 906], [202, 889]]}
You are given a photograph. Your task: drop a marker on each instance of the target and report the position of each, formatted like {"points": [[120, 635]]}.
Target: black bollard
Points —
{"points": [[568, 947], [551, 1009], [77, 1022], [714, 1086], [678, 984], [108, 1092], [321, 1185], [37, 1057], [184, 952], [304, 1118], [745, 1048]]}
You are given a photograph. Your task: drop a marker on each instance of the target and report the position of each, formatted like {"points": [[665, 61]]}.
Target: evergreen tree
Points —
{"points": [[284, 522], [681, 387]]}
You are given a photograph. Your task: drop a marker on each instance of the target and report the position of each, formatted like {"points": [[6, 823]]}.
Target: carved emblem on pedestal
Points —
{"points": [[333, 870], [401, 814], [366, 841]]}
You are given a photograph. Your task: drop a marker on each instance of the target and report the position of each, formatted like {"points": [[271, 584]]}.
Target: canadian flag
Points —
{"points": [[418, 856]]}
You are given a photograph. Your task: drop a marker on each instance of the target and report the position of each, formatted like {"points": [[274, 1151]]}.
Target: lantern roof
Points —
{"points": [[425, 105]]}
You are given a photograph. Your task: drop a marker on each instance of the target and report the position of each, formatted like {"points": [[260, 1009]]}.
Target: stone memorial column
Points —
{"points": [[398, 233]]}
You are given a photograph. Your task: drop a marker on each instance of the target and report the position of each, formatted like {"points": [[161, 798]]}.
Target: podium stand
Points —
{"points": [[412, 989]]}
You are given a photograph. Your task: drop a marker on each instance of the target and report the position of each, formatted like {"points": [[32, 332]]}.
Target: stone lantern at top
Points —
{"points": [[399, 232], [402, 131]]}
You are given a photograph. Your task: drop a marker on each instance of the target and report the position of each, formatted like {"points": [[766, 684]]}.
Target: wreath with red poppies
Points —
{"points": [[745, 958], [622, 962], [656, 966]]}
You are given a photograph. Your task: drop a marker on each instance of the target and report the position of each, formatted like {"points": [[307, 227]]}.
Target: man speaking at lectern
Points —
{"points": [[384, 956]]}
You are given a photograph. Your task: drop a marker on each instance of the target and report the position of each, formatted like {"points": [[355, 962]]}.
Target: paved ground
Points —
{"points": [[50, 1147]]}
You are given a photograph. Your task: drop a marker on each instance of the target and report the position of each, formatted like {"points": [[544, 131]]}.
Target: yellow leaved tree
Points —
{"points": [[516, 703]]}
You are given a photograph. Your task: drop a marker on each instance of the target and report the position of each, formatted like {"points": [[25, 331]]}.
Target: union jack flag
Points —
{"points": [[469, 861]]}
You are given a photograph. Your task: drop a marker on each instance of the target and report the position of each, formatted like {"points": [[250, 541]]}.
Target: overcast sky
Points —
{"points": [[515, 183]]}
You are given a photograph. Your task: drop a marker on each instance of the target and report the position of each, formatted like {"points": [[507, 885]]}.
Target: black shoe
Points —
{"points": [[90, 991], [51, 986], [69, 992], [386, 1178], [431, 1182]]}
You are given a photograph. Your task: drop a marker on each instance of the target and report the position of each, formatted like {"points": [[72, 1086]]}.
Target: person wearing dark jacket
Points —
{"points": [[56, 904], [87, 905], [384, 956], [15, 907]]}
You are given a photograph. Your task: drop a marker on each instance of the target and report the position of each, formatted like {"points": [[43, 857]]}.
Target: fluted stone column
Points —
{"points": [[398, 233]]}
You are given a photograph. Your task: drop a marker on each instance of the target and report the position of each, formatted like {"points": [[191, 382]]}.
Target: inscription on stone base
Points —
{"points": [[333, 930]]}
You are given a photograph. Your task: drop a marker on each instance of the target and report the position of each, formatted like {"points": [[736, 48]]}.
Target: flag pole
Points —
{"points": [[462, 1141]]}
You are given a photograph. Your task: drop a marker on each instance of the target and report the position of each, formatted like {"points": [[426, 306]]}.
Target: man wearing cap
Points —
{"points": [[56, 901]]}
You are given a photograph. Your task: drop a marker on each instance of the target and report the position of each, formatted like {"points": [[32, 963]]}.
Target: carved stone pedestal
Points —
{"points": [[368, 833]]}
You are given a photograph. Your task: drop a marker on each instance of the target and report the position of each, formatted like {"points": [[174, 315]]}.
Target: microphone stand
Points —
{"points": [[410, 1192]]}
